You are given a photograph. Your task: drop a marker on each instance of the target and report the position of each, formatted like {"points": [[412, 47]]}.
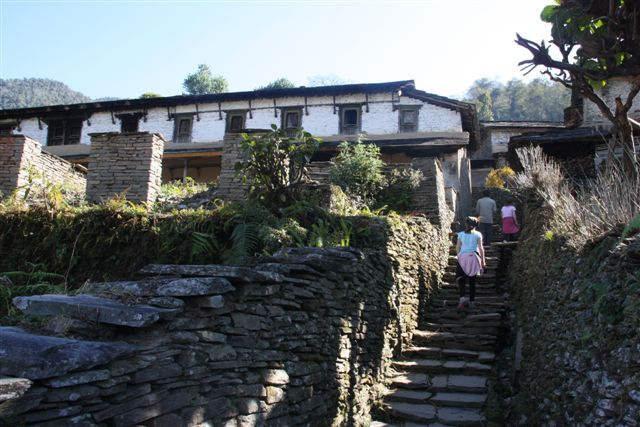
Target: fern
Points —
{"points": [[245, 241]]}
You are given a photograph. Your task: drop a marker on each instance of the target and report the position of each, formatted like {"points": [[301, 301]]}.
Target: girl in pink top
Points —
{"points": [[509, 221]]}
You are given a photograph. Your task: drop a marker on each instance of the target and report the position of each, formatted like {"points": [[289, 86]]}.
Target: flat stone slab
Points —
{"points": [[161, 287], [461, 417], [411, 396], [240, 274], [34, 357], [459, 399], [10, 387], [94, 309], [467, 382], [412, 411]]}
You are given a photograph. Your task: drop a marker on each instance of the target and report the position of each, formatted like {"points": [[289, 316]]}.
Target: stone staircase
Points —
{"points": [[442, 379]]}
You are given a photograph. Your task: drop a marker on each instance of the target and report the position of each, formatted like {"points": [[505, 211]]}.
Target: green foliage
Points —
{"points": [[358, 170], [34, 281], [398, 188], [203, 82], [281, 83], [516, 100], [632, 228], [275, 164], [23, 93], [606, 301], [148, 95]]}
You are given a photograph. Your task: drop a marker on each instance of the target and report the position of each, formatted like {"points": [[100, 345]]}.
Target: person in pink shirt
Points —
{"points": [[510, 225]]}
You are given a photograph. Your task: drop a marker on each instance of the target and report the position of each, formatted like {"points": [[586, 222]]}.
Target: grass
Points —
{"points": [[581, 211]]}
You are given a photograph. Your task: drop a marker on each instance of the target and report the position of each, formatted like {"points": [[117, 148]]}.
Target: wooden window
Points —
{"points": [[129, 122], [64, 132], [182, 129], [350, 120], [291, 121], [408, 120], [236, 121]]}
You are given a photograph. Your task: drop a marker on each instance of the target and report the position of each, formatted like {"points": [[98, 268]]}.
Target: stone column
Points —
{"points": [[229, 186], [128, 164], [18, 154], [430, 196]]}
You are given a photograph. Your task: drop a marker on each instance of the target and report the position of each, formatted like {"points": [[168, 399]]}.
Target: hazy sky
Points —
{"points": [[125, 48]]}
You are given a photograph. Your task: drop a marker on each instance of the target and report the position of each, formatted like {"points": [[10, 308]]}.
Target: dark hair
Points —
{"points": [[486, 193], [471, 222]]}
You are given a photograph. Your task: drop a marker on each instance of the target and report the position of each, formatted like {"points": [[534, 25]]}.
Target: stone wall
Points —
{"points": [[430, 197], [229, 186], [301, 338], [579, 329], [125, 163], [22, 160]]}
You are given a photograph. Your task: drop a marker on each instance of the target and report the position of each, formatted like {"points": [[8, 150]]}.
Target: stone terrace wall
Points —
{"points": [[125, 163], [21, 156], [579, 320], [301, 338]]}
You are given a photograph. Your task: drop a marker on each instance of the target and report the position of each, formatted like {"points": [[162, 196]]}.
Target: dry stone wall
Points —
{"points": [[125, 163], [579, 329], [22, 161], [304, 337]]}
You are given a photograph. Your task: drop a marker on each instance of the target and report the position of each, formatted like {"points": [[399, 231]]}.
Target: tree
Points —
{"points": [[596, 41], [539, 99], [203, 81], [281, 83], [327, 80], [275, 165], [147, 95], [24, 93]]}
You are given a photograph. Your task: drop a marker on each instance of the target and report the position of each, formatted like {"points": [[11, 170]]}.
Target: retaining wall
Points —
{"points": [[301, 338], [22, 162]]}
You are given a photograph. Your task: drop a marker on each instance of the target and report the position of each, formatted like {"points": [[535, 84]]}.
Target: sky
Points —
{"points": [[123, 48]]}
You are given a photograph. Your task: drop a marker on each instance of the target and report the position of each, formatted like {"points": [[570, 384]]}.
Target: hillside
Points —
{"points": [[33, 92]]}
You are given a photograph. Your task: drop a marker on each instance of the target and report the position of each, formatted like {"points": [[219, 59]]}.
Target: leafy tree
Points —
{"points": [[327, 80], [594, 41], [147, 95], [539, 99], [358, 170], [275, 165], [281, 83], [24, 93], [203, 81]]}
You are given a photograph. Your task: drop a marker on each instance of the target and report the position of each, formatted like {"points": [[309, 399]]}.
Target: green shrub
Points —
{"points": [[358, 170], [398, 189], [275, 164]]}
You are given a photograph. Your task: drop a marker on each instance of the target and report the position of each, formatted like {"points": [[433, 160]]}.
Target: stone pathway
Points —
{"points": [[442, 379]]}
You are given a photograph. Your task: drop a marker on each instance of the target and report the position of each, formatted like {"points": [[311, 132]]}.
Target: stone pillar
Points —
{"points": [[18, 154], [125, 163], [430, 196], [229, 186]]}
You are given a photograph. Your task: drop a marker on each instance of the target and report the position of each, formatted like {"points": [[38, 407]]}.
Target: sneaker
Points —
{"points": [[462, 304], [472, 306]]}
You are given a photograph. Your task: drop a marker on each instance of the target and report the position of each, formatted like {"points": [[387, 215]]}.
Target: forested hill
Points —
{"points": [[538, 100], [23, 93]]}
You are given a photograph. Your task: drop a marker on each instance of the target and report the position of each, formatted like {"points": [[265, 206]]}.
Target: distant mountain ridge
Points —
{"points": [[34, 92]]}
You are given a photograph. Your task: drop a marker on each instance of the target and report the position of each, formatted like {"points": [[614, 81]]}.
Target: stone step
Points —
{"points": [[439, 399], [429, 413], [481, 298], [438, 314], [440, 382], [442, 366], [454, 340], [450, 354], [458, 327]]}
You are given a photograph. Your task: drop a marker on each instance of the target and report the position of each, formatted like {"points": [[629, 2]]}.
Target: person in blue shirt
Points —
{"points": [[471, 261]]}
